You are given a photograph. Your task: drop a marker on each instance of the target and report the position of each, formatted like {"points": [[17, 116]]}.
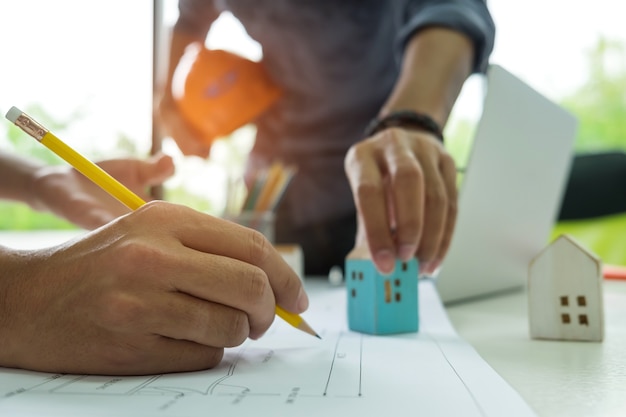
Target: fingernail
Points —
{"points": [[430, 267], [303, 301], [426, 268], [436, 264], [385, 260], [406, 252]]}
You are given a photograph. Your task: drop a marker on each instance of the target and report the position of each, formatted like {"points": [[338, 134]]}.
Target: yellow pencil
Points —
{"points": [[108, 183], [273, 176], [296, 321]]}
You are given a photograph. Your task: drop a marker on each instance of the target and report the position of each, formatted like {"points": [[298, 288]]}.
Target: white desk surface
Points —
{"points": [[555, 378]]}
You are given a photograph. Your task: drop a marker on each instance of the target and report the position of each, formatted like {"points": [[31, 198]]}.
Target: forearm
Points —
{"points": [[178, 45], [195, 18], [18, 174], [436, 63], [188, 138]]}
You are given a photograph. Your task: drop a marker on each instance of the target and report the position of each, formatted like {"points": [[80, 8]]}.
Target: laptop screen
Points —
{"points": [[511, 190]]}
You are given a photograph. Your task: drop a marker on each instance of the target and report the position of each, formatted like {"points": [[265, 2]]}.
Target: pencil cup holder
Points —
{"points": [[262, 221]]}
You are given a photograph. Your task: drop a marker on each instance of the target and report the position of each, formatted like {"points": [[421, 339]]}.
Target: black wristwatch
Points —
{"points": [[408, 119]]}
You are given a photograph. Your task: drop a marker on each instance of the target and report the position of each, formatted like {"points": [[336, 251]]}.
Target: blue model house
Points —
{"points": [[377, 303]]}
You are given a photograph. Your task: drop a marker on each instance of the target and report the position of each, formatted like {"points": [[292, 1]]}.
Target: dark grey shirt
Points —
{"points": [[336, 61]]}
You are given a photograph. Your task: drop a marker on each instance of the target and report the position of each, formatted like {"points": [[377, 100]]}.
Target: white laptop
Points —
{"points": [[511, 191]]}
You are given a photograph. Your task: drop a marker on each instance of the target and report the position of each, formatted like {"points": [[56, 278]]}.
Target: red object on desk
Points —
{"points": [[614, 272]]}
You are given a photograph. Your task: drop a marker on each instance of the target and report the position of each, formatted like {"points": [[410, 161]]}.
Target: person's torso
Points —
{"points": [[335, 62]]}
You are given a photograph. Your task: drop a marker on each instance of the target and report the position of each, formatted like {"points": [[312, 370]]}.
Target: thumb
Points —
{"points": [[156, 169]]}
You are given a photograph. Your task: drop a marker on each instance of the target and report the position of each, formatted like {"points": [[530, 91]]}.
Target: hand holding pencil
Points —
{"points": [[146, 293]]}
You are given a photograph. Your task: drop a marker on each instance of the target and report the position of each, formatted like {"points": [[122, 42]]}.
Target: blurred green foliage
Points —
{"points": [[600, 104], [459, 137], [15, 216]]}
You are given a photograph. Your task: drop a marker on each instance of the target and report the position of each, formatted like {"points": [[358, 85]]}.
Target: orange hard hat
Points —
{"points": [[224, 91]]}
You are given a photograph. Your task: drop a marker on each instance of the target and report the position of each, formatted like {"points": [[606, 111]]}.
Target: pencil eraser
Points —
{"points": [[13, 114]]}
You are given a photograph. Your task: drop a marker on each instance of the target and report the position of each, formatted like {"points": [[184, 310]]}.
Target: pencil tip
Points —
{"points": [[318, 336]]}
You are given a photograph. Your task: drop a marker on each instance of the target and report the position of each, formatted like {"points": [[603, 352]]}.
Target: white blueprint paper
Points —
{"points": [[289, 373]]}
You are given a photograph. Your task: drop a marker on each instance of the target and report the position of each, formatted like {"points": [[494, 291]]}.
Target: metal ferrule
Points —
{"points": [[31, 127]]}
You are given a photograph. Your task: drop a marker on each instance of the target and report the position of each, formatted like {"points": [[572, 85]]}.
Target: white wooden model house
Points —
{"points": [[565, 293]]}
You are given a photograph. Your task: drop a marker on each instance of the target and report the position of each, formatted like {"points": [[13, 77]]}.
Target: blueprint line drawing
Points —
{"points": [[343, 349], [340, 355]]}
